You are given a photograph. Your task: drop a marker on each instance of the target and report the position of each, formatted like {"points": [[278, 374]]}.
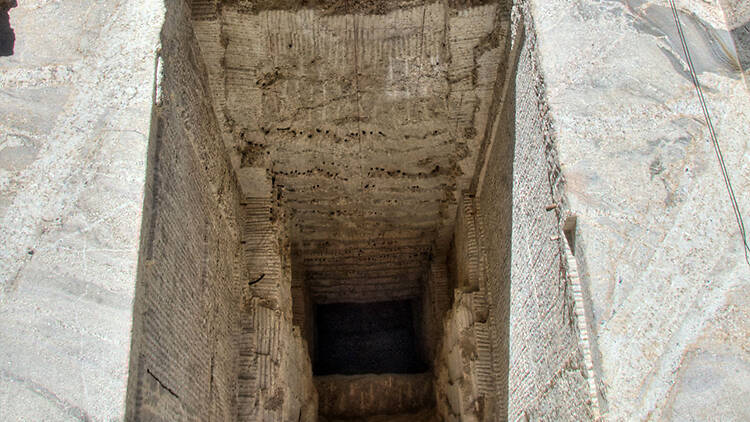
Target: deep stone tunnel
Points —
{"points": [[322, 171]]}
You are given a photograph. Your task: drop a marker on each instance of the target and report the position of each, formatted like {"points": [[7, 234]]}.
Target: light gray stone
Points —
{"points": [[658, 243], [74, 119]]}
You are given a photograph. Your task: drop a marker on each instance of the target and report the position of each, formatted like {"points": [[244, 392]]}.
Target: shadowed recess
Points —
{"points": [[7, 36], [360, 338]]}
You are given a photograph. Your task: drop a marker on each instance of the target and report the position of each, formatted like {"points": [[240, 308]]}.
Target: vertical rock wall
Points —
{"points": [[465, 382], [512, 347], [435, 303], [546, 373], [275, 374], [657, 244], [377, 396], [737, 17], [184, 351], [458, 393]]}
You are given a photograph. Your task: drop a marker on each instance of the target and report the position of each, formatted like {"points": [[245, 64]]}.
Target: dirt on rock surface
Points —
{"points": [[340, 7]]}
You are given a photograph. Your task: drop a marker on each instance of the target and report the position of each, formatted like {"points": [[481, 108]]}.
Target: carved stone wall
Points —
{"points": [[274, 371], [511, 347], [406, 150], [465, 381], [370, 125], [354, 397], [183, 362]]}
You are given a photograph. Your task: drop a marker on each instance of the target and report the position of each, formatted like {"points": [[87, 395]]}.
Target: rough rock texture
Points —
{"points": [[466, 383], [737, 16], [436, 301], [323, 151], [360, 396], [657, 244], [368, 124], [457, 394], [546, 375], [183, 363], [512, 345], [427, 415], [75, 101], [274, 370]]}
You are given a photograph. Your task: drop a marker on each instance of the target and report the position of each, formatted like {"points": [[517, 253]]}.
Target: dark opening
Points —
{"points": [[362, 338], [7, 36], [569, 228]]}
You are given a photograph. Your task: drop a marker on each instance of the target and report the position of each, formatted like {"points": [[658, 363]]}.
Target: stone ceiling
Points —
{"points": [[368, 125]]}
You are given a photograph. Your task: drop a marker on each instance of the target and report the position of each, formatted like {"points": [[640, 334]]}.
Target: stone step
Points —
{"points": [[353, 398], [425, 415]]}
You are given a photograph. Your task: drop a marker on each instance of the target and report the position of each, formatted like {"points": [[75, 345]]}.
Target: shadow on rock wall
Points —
{"points": [[7, 36]]}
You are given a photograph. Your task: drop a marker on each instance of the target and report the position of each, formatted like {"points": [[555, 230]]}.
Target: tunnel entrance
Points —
{"points": [[362, 338], [367, 362], [323, 175]]}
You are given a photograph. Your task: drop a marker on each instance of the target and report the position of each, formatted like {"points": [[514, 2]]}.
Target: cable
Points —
{"points": [[712, 132]]}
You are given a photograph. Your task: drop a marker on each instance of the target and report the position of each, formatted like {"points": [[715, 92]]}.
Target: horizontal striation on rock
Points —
{"points": [[261, 245], [367, 124]]}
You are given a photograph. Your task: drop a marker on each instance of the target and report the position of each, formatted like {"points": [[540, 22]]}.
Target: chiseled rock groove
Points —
{"points": [[368, 124]]}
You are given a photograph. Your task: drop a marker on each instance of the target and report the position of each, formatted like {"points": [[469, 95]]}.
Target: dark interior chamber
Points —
{"points": [[364, 338]]}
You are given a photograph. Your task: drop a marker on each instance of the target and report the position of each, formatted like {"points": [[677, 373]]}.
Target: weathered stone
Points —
{"points": [[75, 110], [360, 396], [533, 182], [657, 243]]}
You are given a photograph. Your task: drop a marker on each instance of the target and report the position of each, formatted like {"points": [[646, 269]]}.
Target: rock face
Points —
{"points": [[459, 397], [369, 125], [657, 244], [274, 371], [525, 190], [188, 290], [355, 397], [737, 16]]}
